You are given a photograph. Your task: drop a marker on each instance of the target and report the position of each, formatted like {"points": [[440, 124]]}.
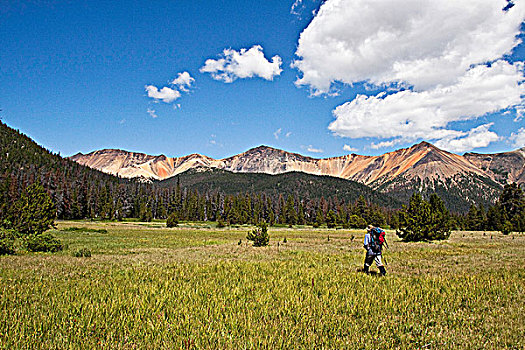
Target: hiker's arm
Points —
{"points": [[366, 242]]}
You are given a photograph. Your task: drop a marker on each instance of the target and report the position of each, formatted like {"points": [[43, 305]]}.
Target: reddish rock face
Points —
{"points": [[422, 160]]}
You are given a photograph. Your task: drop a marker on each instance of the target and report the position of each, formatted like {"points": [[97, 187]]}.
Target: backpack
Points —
{"points": [[377, 238]]}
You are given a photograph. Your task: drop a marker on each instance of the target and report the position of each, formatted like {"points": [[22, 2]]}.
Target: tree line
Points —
{"points": [[507, 215]]}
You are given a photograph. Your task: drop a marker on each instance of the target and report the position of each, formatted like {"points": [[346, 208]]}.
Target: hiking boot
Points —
{"points": [[382, 270]]}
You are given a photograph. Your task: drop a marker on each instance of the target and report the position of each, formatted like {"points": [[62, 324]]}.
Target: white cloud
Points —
{"points": [[518, 138], [422, 43], [349, 148], [165, 94], [183, 81], [312, 149], [475, 138], [410, 115], [288, 134], [243, 64], [152, 113], [383, 144]]}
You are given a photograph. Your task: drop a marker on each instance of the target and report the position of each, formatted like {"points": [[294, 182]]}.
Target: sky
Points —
{"points": [[320, 78]]}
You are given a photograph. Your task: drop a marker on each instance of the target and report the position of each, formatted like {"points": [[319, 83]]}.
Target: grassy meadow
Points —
{"points": [[198, 287]]}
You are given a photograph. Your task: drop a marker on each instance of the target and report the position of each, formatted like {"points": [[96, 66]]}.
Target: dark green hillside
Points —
{"points": [[458, 193], [77, 191], [296, 184]]}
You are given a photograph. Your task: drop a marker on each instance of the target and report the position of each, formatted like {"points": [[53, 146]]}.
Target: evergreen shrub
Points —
{"points": [[44, 242], [7, 241], [259, 236], [172, 221]]}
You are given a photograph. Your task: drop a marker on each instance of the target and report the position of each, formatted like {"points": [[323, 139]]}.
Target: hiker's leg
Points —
{"points": [[368, 261], [379, 264]]}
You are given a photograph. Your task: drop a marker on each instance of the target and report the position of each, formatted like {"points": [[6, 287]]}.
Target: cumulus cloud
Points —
{"points": [[243, 64], [170, 94], [408, 115], [396, 41], [349, 148], [477, 137], [165, 94], [518, 138], [432, 78], [183, 81]]}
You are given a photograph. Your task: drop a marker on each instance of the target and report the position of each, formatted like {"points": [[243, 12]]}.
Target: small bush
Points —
{"points": [[259, 236], [7, 241], [220, 224], [44, 242], [506, 228], [82, 253], [173, 220]]}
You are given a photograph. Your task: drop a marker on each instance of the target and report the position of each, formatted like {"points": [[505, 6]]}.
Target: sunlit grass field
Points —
{"points": [[198, 287]]}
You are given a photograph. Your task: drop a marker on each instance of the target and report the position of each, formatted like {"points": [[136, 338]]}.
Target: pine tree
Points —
{"points": [[34, 212], [289, 211], [331, 219], [424, 221]]}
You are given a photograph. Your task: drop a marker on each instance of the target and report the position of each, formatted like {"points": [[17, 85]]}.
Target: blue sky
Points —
{"points": [[75, 74]]}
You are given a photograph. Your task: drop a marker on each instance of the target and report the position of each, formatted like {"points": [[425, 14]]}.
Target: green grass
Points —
{"points": [[195, 287]]}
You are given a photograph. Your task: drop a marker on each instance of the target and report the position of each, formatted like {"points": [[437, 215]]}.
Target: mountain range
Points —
{"points": [[422, 160], [460, 179]]}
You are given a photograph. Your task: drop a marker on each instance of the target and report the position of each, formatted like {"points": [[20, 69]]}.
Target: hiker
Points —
{"points": [[374, 239]]}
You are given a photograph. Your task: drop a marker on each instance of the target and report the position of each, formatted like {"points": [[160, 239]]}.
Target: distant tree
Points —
{"points": [[509, 212], [259, 236], [173, 220], [511, 200], [331, 219], [34, 212], [494, 218], [289, 211], [356, 221], [319, 218], [424, 221]]}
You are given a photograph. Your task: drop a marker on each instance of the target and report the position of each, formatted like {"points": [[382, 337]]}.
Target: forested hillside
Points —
{"points": [[80, 192], [296, 184]]}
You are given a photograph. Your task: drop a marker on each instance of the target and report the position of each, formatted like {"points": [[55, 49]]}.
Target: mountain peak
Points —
{"points": [[424, 144]]}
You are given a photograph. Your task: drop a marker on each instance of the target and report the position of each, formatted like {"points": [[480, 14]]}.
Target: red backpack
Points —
{"points": [[378, 238]]}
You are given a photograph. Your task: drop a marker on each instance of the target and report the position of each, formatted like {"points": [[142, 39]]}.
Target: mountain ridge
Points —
{"points": [[423, 160], [461, 180]]}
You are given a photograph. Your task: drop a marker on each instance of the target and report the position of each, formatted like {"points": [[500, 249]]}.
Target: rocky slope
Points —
{"points": [[422, 160], [502, 167]]}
